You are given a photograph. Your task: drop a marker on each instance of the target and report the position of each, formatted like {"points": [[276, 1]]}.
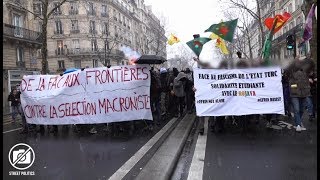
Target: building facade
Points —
{"points": [[295, 25], [90, 33], [20, 44]]}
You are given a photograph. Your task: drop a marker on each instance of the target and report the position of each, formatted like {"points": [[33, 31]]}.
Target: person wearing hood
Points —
{"points": [[299, 93], [179, 90], [172, 101], [164, 90]]}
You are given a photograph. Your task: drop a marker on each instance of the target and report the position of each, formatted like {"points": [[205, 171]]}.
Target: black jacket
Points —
{"points": [[15, 99]]}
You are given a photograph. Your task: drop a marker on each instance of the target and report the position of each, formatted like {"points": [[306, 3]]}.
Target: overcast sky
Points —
{"points": [[185, 18]]}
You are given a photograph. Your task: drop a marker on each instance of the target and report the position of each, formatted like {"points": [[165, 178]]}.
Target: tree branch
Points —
{"points": [[52, 10]]}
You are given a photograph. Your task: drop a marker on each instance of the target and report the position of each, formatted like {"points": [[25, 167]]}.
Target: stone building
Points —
{"points": [[20, 44], [90, 33]]}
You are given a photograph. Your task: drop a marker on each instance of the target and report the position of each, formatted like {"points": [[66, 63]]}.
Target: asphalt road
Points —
{"points": [[69, 155], [257, 153]]}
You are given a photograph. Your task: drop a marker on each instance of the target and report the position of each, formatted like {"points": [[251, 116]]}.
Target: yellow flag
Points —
{"points": [[173, 39], [222, 45], [213, 36]]}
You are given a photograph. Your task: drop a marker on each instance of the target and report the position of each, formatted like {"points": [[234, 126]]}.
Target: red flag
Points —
{"points": [[282, 19]]}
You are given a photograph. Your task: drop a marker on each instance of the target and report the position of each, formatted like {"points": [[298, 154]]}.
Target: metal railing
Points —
{"points": [[21, 64], [74, 31], [90, 51], [59, 52], [73, 11], [21, 33], [104, 14]]}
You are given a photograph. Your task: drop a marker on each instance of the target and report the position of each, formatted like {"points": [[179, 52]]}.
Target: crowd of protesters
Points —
{"points": [[172, 95]]}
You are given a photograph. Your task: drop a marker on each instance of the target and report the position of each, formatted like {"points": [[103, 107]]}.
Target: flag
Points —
{"points": [[267, 44], [173, 39], [197, 44], [220, 43], [225, 30], [282, 19], [307, 33]]}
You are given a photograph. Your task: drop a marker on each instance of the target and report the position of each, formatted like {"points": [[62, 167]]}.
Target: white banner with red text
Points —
{"points": [[224, 92], [93, 95]]}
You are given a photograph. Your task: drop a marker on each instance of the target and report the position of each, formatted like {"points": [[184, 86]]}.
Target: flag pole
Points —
{"points": [[267, 45]]}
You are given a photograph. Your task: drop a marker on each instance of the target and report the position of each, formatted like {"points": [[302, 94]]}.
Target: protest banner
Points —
{"points": [[94, 95], [223, 92]]}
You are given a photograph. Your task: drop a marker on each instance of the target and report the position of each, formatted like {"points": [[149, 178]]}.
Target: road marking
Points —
{"points": [[197, 164], [12, 130], [127, 166]]}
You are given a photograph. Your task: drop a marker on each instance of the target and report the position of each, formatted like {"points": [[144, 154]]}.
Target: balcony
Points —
{"points": [[21, 64], [92, 31], [19, 33], [90, 52], [92, 13], [58, 32], [57, 13], [75, 31], [104, 14], [73, 11], [115, 18], [59, 52]]}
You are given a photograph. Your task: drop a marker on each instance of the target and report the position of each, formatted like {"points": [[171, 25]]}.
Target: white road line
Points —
{"points": [[127, 166], [12, 130], [197, 164]]}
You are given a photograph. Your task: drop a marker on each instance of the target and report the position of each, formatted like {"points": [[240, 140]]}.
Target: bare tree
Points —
{"points": [[47, 10]]}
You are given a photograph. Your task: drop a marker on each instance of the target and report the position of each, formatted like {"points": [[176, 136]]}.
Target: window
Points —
{"points": [[92, 27], [91, 9], [95, 63], [77, 64], [104, 11], [105, 28], [122, 62], [40, 26], [59, 50], [74, 25], [61, 64], [73, 8], [20, 54], [38, 8], [94, 46], [58, 10], [290, 8], [58, 27], [75, 43], [17, 21]]}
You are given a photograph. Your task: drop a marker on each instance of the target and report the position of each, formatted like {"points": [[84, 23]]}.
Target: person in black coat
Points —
{"points": [[14, 98]]}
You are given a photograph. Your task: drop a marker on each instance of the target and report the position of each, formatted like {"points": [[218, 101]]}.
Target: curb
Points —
{"points": [[162, 163]]}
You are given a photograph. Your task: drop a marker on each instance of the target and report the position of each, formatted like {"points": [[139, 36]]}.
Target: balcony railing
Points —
{"points": [[21, 33], [74, 31], [21, 64], [104, 14], [92, 31], [92, 12], [73, 11], [58, 32], [59, 51], [90, 51]]}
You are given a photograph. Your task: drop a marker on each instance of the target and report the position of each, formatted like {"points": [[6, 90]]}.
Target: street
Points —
{"points": [[257, 153]]}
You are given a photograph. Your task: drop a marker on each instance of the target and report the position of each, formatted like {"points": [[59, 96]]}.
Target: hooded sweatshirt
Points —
{"points": [[178, 85]]}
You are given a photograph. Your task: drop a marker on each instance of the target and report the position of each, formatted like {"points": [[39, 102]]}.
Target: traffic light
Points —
{"points": [[291, 43]]}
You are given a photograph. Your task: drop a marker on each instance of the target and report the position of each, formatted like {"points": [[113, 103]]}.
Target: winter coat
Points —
{"points": [[179, 85], [155, 87], [299, 84], [15, 99]]}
